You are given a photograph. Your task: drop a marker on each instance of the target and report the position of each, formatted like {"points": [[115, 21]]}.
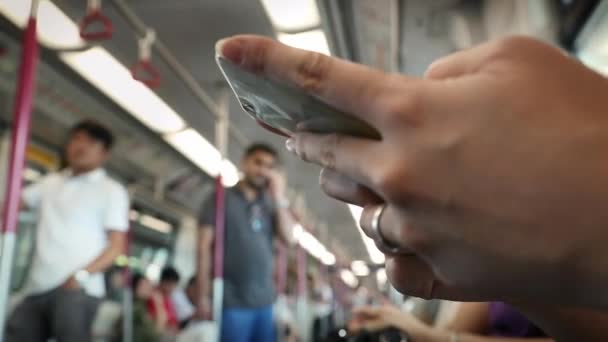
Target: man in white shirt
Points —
{"points": [[82, 224]]}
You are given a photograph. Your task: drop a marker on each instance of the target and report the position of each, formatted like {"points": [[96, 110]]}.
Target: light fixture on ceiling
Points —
{"points": [[375, 255], [55, 29], [203, 154], [328, 258], [292, 15], [100, 68], [359, 268], [349, 278], [310, 40], [313, 246]]}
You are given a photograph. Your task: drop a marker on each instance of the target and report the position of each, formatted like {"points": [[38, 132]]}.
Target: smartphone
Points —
{"points": [[282, 109]]}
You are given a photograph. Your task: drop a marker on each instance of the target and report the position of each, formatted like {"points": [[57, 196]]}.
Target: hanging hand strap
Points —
{"points": [[92, 18], [143, 71]]}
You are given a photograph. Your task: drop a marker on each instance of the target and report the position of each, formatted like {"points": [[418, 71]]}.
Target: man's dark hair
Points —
{"points": [[261, 147], [96, 131], [169, 274]]}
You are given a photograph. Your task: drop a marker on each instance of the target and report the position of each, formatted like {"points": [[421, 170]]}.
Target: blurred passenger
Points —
{"points": [[145, 326], [256, 210], [321, 307], [184, 308], [82, 220], [478, 322], [191, 290], [169, 279]]}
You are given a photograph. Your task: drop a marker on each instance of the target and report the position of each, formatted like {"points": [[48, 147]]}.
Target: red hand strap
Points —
{"points": [[144, 72], [92, 18]]}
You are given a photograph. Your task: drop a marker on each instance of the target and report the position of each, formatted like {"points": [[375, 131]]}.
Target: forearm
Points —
{"points": [[569, 324], [285, 223]]}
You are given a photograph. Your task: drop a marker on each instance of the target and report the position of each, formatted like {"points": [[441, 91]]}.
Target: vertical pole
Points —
{"points": [[19, 137], [221, 136], [301, 302], [281, 284], [128, 295]]}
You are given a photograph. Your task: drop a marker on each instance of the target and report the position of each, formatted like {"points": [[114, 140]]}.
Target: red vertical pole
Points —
{"points": [[128, 293], [21, 127], [19, 138]]}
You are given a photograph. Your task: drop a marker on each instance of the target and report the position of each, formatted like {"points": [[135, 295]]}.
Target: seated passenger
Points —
{"points": [[184, 307], [145, 327], [191, 290], [163, 305], [477, 322]]}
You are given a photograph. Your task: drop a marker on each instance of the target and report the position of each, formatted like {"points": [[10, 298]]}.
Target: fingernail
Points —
{"points": [[231, 49], [290, 145]]}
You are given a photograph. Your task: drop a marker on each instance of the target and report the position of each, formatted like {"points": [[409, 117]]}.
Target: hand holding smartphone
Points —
{"points": [[283, 110]]}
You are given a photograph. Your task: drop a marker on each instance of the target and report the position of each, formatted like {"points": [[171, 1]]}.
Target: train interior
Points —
{"points": [[166, 123]]}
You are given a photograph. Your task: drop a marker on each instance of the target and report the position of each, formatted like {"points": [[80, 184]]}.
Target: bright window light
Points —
{"points": [[376, 256], [156, 224], [204, 155], [311, 40], [100, 68], [293, 14], [55, 29], [349, 278], [359, 268]]}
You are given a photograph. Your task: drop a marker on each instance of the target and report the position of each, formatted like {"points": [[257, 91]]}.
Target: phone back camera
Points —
{"points": [[248, 106]]}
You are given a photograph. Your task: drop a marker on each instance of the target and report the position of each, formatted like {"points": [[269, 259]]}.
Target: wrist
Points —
{"points": [[82, 276]]}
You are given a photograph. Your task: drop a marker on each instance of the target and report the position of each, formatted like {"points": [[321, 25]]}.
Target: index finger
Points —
{"points": [[352, 88]]}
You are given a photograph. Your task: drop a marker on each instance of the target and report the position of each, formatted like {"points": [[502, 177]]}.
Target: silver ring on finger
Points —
{"points": [[382, 243]]}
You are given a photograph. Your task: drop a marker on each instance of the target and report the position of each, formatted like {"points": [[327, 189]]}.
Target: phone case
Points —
{"points": [[280, 108]]}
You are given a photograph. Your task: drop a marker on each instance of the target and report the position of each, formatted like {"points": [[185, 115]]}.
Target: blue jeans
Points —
{"points": [[248, 325]]}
